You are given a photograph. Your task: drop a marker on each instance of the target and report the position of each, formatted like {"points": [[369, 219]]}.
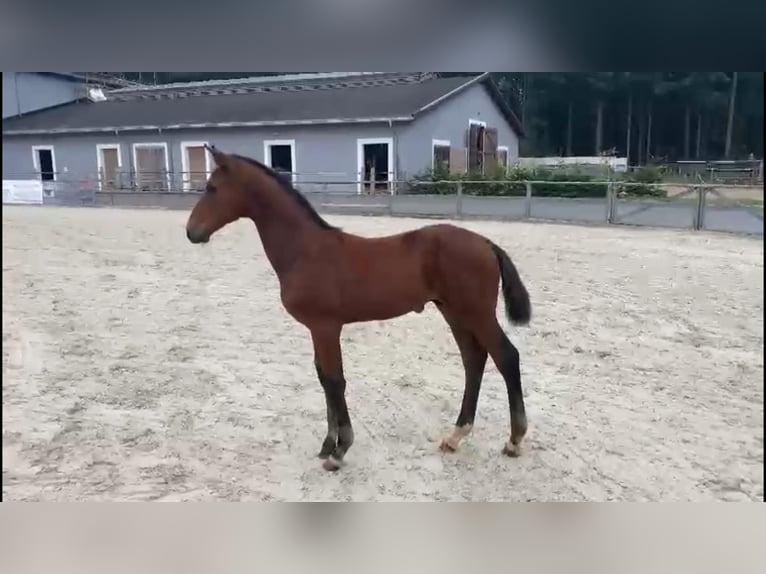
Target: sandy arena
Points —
{"points": [[137, 366]]}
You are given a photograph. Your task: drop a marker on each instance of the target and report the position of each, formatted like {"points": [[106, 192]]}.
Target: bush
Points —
{"points": [[642, 180], [511, 184], [594, 189]]}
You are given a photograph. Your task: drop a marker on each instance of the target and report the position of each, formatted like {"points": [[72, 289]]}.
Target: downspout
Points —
{"points": [[394, 156], [169, 159], [16, 91]]}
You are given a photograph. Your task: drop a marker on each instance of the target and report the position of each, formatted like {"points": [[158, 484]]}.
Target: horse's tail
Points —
{"points": [[518, 309]]}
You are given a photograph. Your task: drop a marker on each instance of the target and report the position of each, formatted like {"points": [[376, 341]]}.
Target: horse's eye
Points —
{"points": [[210, 188]]}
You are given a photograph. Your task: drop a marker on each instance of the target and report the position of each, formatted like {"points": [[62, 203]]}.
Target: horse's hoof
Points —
{"points": [[512, 450], [324, 452], [328, 447], [445, 446], [331, 464]]}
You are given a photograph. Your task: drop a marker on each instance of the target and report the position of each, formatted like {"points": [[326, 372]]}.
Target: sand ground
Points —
{"points": [[137, 366]]}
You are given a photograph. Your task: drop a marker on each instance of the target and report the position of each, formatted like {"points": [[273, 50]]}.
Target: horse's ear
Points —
{"points": [[220, 158]]}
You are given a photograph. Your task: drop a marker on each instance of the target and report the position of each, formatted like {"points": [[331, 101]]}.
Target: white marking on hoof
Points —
{"points": [[331, 464], [447, 446], [450, 443]]}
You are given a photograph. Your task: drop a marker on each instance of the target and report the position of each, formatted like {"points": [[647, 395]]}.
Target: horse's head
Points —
{"points": [[224, 200]]}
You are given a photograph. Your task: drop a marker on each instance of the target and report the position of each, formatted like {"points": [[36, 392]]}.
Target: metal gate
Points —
{"points": [[690, 209]]}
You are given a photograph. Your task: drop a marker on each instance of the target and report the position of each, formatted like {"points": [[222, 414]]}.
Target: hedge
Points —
{"points": [[512, 183]]}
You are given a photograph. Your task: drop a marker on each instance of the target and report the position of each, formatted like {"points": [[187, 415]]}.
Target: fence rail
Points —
{"points": [[746, 172], [711, 206]]}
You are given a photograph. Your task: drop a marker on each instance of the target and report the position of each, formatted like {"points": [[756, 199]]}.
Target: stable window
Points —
{"points": [[44, 160], [196, 165], [440, 157], [279, 155], [109, 163], [375, 164], [475, 145], [502, 158], [150, 163], [481, 142]]}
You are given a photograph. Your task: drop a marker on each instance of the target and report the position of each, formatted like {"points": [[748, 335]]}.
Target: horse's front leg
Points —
{"points": [[329, 364], [331, 440]]}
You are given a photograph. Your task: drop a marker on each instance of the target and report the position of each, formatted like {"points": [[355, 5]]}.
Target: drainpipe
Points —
{"points": [[394, 155], [16, 90], [169, 159]]}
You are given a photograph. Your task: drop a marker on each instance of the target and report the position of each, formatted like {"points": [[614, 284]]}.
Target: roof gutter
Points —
{"points": [[481, 77], [208, 125]]}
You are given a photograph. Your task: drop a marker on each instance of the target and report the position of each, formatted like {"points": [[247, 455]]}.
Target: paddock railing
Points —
{"points": [[698, 206]]}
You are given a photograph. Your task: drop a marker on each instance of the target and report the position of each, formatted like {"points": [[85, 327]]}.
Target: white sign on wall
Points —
{"points": [[23, 191]]}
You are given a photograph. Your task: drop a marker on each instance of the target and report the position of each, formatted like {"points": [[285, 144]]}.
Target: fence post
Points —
{"points": [[699, 219], [609, 203], [528, 201], [459, 200]]}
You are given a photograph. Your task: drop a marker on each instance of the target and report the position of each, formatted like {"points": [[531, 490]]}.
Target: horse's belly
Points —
{"points": [[378, 304]]}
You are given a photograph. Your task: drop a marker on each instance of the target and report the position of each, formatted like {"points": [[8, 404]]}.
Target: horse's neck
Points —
{"points": [[284, 229]]}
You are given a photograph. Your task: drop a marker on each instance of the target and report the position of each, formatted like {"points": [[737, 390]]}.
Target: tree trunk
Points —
{"points": [[640, 143], [698, 148], [687, 132], [570, 120], [730, 122], [628, 130], [706, 131], [524, 96], [649, 133], [599, 126]]}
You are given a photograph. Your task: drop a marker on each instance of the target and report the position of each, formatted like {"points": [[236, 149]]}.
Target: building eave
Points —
{"points": [[460, 88], [209, 125], [245, 80], [505, 108], [486, 79]]}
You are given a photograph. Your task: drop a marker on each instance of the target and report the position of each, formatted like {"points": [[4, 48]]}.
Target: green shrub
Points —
{"points": [[500, 183], [642, 180]]}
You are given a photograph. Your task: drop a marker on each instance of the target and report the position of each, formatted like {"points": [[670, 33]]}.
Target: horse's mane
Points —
{"points": [[287, 186]]}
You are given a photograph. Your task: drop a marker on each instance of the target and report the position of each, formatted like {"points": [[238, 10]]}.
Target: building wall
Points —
{"points": [[449, 121], [24, 92], [324, 155]]}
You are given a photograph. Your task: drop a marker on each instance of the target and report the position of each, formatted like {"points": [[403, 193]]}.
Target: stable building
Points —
{"points": [[329, 131]]}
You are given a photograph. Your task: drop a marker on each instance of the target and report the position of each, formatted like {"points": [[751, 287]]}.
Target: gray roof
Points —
{"points": [[336, 104], [253, 80], [105, 78]]}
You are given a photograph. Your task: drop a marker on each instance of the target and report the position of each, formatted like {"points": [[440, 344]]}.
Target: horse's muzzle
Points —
{"points": [[197, 235]]}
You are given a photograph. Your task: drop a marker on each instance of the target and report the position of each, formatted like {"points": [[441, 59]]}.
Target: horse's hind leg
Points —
{"points": [[474, 358], [506, 358]]}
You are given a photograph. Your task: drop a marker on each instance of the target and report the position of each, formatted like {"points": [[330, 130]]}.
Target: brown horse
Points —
{"points": [[329, 278]]}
